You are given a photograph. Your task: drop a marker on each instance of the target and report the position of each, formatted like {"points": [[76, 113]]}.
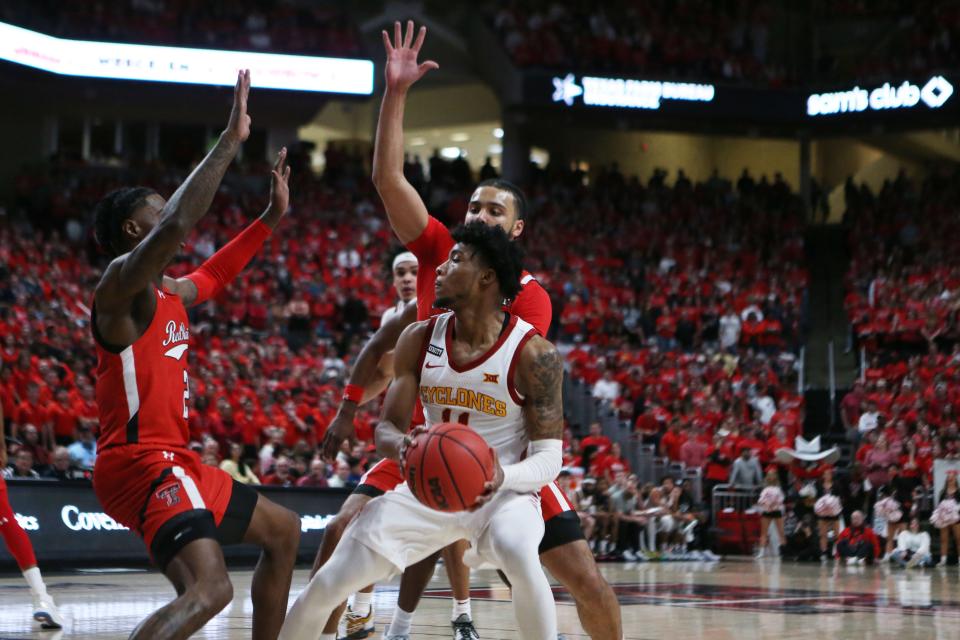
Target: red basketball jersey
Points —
{"points": [[143, 390]]}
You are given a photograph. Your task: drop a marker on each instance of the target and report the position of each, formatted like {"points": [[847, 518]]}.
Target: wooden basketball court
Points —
{"points": [[737, 599]]}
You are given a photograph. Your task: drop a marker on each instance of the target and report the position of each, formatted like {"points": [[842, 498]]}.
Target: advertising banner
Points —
{"points": [[67, 525], [155, 63]]}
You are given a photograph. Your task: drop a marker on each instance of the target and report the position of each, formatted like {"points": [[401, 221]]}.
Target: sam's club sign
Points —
{"points": [[934, 94]]}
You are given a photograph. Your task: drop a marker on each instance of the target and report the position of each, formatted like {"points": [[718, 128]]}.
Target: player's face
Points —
{"points": [[144, 219], [495, 207], [458, 277], [405, 280]]}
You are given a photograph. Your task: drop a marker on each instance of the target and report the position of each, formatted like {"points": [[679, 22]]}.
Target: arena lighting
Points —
{"points": [[628, 93], [934, 94], [183, 65]]}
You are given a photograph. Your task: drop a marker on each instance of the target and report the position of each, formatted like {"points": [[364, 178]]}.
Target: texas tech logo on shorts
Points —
{"points": [[169, 494]]}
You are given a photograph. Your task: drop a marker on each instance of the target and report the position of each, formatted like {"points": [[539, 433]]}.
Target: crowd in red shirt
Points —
{"points": [[267, 25], [694, 39]]}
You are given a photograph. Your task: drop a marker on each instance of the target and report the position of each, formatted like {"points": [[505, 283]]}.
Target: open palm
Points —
{"points": [[402, 68]]}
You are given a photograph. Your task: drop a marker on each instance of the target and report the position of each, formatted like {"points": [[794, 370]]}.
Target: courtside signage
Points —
{"points": [[934, 94], [153, 63], [627, 93]]}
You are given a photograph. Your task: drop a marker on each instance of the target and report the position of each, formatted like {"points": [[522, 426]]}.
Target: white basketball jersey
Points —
{"points": [[395, 310], [481, 393]]}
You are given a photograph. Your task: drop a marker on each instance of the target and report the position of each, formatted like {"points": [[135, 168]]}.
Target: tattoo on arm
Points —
{"points": [[543, 409]]}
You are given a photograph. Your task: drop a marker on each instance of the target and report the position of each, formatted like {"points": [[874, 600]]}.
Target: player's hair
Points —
{"points": [[494, 247], [112, 211], [392, 252], [519, 199]]}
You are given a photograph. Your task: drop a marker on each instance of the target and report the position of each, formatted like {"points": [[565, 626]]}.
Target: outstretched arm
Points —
{"points": [[130, 274], [367, 377], [405, 209], [539, 379], [216, 273], [402, 396]]}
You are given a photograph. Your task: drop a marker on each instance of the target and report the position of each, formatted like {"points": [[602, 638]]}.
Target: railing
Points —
{"points": [[863, 364], [727, 497], [802, 369], [832, 373]]}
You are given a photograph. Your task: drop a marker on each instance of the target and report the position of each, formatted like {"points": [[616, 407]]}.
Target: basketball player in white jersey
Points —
{"points": [[480, 348]]}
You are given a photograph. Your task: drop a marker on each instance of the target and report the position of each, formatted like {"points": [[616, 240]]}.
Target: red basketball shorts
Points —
{"points": [[144, 487]]}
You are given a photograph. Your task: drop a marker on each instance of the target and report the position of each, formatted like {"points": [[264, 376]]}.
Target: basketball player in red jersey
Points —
{"points": [[145, 477], [45, 612], [563, 550]]}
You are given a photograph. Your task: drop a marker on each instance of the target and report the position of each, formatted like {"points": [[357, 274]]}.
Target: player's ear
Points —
{"points": [[517, 229], [130, 229]]}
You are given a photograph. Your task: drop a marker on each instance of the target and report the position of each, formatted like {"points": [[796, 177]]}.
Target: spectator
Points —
{"points": [[858, 544], [281, 475], [83, 452], [317, 477], [672, 441], [693, 452], [610, 464], [62, 467], [729, 330], [913, 547], [868, 419], [802, 544], [627, 521], [582, 500], [31, 442], [341, 478], [237, 468], [22, 467], [606, 389], [746, 471]]}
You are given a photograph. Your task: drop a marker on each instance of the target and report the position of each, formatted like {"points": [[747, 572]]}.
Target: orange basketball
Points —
{"points": [[448, 467]]}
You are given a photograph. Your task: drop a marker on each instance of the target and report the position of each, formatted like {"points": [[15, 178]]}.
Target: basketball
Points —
{"points": [[447, 469]]}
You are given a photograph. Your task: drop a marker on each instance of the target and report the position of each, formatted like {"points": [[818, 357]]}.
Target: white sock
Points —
{"points": [[35, 580], [460, 607], [328, 636], [400, 625], [361, 602]]}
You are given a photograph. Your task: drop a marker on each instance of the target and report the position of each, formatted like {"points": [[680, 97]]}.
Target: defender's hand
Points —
{"points": [[279, 191], [402, 69], [238, 128]]}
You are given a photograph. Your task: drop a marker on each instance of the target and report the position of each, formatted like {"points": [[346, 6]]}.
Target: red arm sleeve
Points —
{"points": [[533, 305], [433, 245], [223, 266]]}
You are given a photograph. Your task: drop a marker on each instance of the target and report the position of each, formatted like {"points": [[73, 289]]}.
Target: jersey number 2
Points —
{"points": [[186, 395], [463, 418]]}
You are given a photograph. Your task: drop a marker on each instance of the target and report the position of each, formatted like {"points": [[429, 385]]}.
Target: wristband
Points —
{"points": [[353, 393]]}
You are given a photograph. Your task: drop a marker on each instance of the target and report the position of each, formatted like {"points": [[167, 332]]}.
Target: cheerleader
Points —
{"points": [[946, 517], [771, 511], [894, 501], [827, 509]]}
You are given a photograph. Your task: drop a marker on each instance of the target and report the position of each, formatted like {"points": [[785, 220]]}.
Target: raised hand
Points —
{"points": [[238, 128], [279, 191], [402, 69]]}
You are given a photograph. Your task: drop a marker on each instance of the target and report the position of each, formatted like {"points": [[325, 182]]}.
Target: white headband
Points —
{"points": [[406, 256]]}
